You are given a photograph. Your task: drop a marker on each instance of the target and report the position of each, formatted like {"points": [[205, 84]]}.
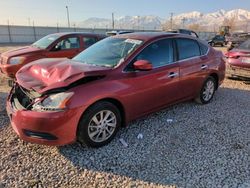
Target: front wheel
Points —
{"points": [[99, 124], [207, 91]]}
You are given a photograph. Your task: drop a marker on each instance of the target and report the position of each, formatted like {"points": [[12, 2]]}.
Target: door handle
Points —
{"points": [[173, 74], [203, 67]]}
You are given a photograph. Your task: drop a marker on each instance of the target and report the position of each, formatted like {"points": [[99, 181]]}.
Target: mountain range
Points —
{"points": [[240, 18]]}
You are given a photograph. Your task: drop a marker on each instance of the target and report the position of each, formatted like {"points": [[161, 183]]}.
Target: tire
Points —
{"points": [[222, 45], [207, 91], [212, 44], [93, 132]]}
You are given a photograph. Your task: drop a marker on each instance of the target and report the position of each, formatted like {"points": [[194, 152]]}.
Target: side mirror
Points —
{"points": [[143, 65]]}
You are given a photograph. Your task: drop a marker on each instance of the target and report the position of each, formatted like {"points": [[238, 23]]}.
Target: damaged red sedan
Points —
{"points": [[119, 79]]}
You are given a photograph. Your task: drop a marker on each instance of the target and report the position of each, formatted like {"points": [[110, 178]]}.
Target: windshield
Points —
{"points": [[44, 42], [245, 45], [108, 52]]}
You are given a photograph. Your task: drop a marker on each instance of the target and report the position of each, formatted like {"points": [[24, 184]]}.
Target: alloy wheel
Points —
{"points": [[208, 91], [102, 126]]}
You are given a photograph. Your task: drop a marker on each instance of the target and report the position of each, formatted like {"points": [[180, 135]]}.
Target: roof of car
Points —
{"points": [[79, 33], [148, 35]]}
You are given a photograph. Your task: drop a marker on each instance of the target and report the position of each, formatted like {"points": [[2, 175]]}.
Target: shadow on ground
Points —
{"points": [[199, 147]]}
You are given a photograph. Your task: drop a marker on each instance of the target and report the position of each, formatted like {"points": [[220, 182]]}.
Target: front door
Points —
{"points": [[153, 89], [67, 47]]}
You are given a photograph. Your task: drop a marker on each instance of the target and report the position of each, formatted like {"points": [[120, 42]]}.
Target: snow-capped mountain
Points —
{"points": [[125, 22], [215, 18], [240, 17]]}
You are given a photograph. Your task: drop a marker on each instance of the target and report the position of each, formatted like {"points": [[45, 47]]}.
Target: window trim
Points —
{"points": [[176, 53]]}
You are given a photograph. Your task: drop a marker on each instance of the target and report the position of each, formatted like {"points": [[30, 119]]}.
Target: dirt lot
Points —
{"points": [[204, 146]]}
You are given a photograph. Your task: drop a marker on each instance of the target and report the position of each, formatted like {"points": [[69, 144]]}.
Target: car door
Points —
{"points": [[193, 66], [153, 89], [65, 47]]}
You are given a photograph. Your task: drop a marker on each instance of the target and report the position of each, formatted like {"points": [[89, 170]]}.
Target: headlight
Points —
{"points": [[54, 102], [16, 60]]}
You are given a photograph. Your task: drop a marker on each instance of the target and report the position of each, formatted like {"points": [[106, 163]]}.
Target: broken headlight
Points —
{"points": [[54, 102]]}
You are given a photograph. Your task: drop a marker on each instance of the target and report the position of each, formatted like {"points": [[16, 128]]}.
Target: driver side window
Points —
{"points": [[67, 43], [159, 53]]}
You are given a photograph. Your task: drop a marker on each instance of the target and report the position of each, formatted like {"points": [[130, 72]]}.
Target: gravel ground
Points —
{"points": [[204, 146]]}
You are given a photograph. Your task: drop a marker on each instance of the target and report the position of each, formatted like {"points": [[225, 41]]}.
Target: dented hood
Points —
{"points": [[48, 74]]}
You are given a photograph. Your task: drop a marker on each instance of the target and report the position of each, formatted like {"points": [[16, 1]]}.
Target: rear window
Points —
{"points": [[187, 48]]}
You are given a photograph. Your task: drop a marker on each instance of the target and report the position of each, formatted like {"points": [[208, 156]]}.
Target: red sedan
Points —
{"points": [[54, 45], [238, 61], [118, 79]]}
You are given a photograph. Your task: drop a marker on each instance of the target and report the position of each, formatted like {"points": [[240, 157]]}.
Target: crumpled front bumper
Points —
{"points": [[48, 128]]}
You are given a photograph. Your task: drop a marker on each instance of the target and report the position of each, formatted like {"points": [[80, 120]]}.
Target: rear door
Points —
{"points": [[65, 47], [158, 87], [193, 66]]}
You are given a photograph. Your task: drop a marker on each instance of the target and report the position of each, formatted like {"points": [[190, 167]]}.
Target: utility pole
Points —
{"points": [[29, 20], [138, 22], [57, 27], [113, 21], [183, 22], [171, 20], [68, 16], [34, 30], [10, 39]]}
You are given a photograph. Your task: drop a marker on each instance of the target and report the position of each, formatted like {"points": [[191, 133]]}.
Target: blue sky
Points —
{"points": [[50, 12]]}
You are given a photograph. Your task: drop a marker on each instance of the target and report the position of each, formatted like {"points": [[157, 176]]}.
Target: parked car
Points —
{"points": [[51, 46], [236, 39], [238, 61], [119, 79], [112, 33], [217, 40], [185, 31]]}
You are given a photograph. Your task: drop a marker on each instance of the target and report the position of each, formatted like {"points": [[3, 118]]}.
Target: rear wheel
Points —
{"points": [[99, 124], [207, 91]]}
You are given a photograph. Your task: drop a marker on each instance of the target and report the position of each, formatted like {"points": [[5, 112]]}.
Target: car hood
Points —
{"points": [[48, 74], [21, 51]]}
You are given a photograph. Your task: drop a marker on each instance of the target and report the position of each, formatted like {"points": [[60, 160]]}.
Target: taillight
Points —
{"points": [[232, 55]]}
